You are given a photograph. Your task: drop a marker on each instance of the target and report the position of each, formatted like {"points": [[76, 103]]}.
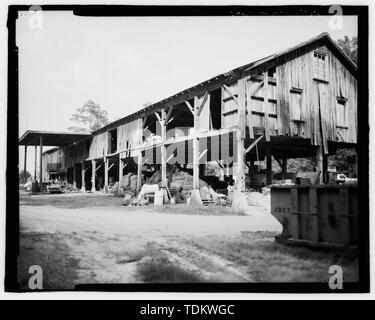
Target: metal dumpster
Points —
{"points": [[325, 215]]}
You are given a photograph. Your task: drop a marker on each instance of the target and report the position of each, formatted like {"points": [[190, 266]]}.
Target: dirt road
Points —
{"points": [[114, 244]]}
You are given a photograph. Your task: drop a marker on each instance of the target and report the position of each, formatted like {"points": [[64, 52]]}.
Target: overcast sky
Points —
{"points": [[122, 63]]}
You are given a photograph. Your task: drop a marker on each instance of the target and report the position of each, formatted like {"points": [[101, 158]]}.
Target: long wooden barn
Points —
{"points": [[298, 103]]}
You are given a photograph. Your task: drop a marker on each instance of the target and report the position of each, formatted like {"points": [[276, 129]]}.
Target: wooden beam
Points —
{"points": [[249, 110], [195, 147], [203, 103], [106, 160], [168, 114], [41, 160], [120, 168], [83, 184], [110, 167], [163, 150], [98, 167], [241, 135], [93, 176], [35, 161], [265, 107], [74, 175], [230, 93], [202, 154], [158, 117], [254, 143], [139, 170], [189, 107], [24, 164], [174, 117], [256, 87], [284, 168], [220, 165], [144, 121], [279, 163], [269, 163], [170, 157]]}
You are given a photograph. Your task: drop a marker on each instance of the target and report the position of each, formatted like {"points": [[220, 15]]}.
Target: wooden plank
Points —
{"points": [[249, 109], [265, 107], [202, 154], [230, 93], [106, 161], [189, 107], [40, 160], [93, 176], [158, 116], [24, 164], [163, 150], [120, 168], [196, 146], [202, 104], [83, 183], [241, 135], [254, 143], [35, 161], [255, 88], [139, 170], [168, 114]]}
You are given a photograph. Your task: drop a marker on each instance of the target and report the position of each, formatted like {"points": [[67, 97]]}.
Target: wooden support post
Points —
{"points": [[120, 168], [93, 176], [325, 167], [269, 163], [41, 161], [83, 183], [74, 176], [139, 171], [321, 165], [284, 168], [163, 150], [265, 107], [241, 134], [106, 161], [24, 165], [196, 146], [35, 161]]}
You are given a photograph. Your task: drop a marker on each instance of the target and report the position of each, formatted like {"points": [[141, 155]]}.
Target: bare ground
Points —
{"points": [[93, 239]]}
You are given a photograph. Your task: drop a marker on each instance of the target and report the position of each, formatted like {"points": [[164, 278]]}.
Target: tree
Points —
{"points": [[90, 117], [22, 177], [349, 46]]}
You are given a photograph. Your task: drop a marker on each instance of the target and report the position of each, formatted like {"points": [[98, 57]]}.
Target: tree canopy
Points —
{"points": [[89, 117], [349, 46]]}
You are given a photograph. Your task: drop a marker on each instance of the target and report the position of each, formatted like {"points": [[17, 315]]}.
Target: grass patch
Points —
{"points": [[269, 261], [211, 210], [166, 272], [155, 267], [45, 250], [71, 201]]}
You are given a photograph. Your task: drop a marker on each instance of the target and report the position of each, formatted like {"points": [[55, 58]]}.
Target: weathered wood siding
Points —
{"points": [[77, 152], [99, 145], [295, 99], [129, 135], [53, 161]]}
